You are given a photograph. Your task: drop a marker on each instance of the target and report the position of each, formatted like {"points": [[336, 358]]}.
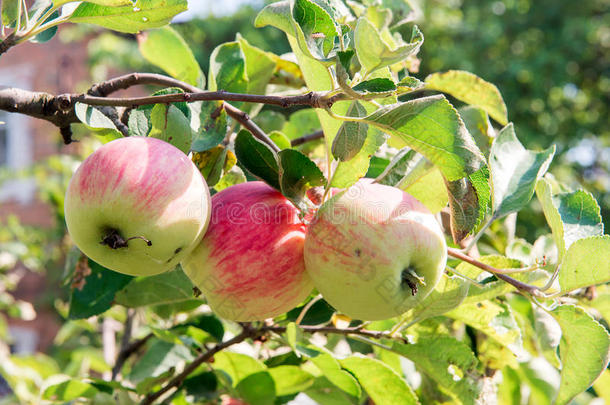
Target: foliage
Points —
{"points": [[496, 323]]}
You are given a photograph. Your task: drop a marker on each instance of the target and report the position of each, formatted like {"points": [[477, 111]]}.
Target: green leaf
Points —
{"points": [[401, 164], [280, 139], [47, 34], [378, 85], [69, 390], [514, 171], [111, 3], [448, 294], [165, 48], [228, 69], [443, 358], [373, 50], [318, 28], [464, 207], [480, 182], [257, 389], [165, 288], [277, 15], [96, 121], [169, 124], [494, 319], [432, 127], [409, 83], [298, 174], [324, 392], [213, 129], [351, 135], [10, 11], [260, 66], [381, 383], [331, 369], [230, 178], [150, 14], [139, 122], [237, 366], [584, 351], [470, 89], [477, 123], [160, 357], [587, 262], [258, 158], [97, 291], [290, 379], [429, 189], [571, 216]]}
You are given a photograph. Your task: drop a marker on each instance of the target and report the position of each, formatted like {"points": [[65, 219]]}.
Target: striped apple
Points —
{"points": [[374, 251], [137, 205], [250, 263]]}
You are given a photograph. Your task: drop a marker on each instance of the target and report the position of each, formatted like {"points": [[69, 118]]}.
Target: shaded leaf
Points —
{"points": [[96, 121], [477, 123], [139, 123], [464, 206], [379, 85], [164, 288], [351, 135], [237, 366], [401, 164], [298, 174], [10, 11], [211, 163], [160, 357], [258, 158], [97, 293], [257, 389], [290, 379], [213, 126]]}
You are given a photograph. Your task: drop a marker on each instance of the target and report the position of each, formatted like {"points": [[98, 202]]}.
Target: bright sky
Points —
{"points": [[216, 7]]}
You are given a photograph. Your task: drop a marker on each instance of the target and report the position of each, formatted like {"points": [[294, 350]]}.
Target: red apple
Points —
{"points": [[374, 251], [250, 263], [137, 206]]}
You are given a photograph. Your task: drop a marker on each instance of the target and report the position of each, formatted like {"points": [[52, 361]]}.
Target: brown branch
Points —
{"points": [[246, 333], [8, 42], [531, 289], [307, 138]]}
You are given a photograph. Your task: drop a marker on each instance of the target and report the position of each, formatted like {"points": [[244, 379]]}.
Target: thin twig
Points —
{"points": [[533, 290], [126, 349], [249, 332], [307, 138]]}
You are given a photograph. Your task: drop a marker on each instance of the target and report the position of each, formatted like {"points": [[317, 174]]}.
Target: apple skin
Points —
{"points": [[362, 243], [140, 188], [250, 264]]}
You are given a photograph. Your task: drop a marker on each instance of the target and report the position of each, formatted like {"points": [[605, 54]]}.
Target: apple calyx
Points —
{"points": [[410, 278], [114, 240]]}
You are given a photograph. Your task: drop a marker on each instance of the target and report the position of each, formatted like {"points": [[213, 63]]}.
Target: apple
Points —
{"points": [[374, 251], [249, 265], [137, 205]]}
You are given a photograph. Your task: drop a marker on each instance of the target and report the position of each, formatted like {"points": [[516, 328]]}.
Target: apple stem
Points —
{"points": [[412, 279], [114, 240]]}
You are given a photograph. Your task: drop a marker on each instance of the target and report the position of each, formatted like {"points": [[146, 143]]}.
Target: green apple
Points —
{"points": [[374, 251], [137, 206]]}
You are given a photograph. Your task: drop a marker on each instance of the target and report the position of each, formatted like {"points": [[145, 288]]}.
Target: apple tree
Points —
{"points": [[359, 245]]}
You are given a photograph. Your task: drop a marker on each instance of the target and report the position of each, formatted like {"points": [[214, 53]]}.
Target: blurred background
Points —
{"points": [[549, 58]]}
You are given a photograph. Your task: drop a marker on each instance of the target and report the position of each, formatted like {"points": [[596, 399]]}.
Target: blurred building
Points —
{"points": [[55, 68]]}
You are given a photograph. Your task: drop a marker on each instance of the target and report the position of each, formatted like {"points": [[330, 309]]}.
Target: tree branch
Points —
{"points": [[249, 332], [531, 289], [307, 138]]}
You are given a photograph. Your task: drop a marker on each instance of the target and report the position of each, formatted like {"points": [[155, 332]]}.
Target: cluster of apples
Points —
{"points": [[139, 206]]}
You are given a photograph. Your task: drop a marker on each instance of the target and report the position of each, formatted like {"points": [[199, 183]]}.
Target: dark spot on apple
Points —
{"points": [[358, 252], [178, 250]]}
